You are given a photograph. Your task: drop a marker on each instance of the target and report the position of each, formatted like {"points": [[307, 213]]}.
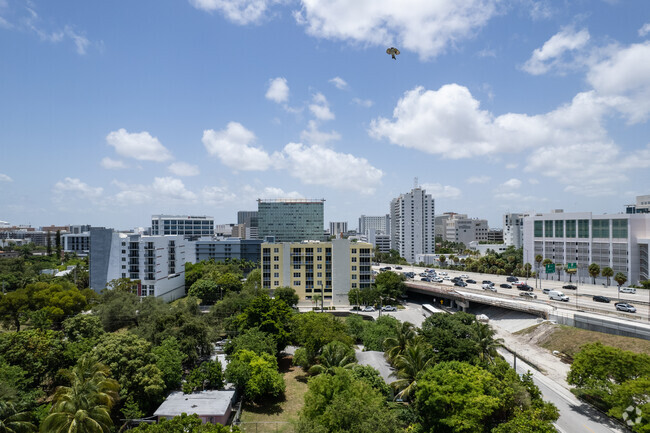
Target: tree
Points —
{"points": [[13, 307], [484, 337], [457, 397], [620, 279], [607, 272], [442, 259], [12, 420], [450, 336], [117, 309], [206, 290], [391, 284], [547, 262], [334, 354], [184, 424], [570, 272], [394, 346], [313, 331], [538, 260], [230, 282], [254, 340], [527, 268], [287, 295], [594, 271], [169, 360], [256, 374], [409, 365], [208, 375], [354, 297], [376, 332], [272, 316], [83, 406]]}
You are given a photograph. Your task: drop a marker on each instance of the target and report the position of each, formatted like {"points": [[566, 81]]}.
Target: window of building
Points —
{"points": [[319, 274], [276, 258], [619, 229], [548, 229], [276, 250], [570, 228], [319, 258], [276, 283], [600, 228], [354, 285], [319, 250], [123, 266], [354, 259], [539, 229], [124, 259], [354, 250], [583, 228], [296, 283], [276, 266], [296, 275], [276, 275], [354, 276], [559, 229]]}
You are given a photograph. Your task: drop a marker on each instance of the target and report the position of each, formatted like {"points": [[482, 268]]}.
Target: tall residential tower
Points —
{"points": [[412, 225]]}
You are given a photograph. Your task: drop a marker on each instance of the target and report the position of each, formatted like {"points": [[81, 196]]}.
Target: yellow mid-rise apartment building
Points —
{"points": [[314, 267]]}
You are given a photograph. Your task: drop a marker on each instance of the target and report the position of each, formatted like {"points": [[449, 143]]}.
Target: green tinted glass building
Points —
{"points": [[291, 220]]}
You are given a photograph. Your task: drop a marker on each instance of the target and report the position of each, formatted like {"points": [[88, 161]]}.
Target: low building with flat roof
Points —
{"points": [[211, 406]]}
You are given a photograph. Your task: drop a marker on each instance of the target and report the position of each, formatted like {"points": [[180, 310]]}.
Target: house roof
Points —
{"points": [[201, 403]]}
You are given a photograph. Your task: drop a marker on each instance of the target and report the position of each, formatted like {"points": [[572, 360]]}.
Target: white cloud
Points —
{"points": [[624, 77], [644, 30], [511, 183], [313, 135], [112, 164], [74, 185], [425, 27], [5, 24], [478, 179], [539, 10], [317, 165], [184, 169], [568, 144], [512, 166], [138, 145], [533, 181], [441, 191], [268, 192], [551, 55], [240, 12], [339, 83], [80, 41], [33, 23], [163, 189], [217, 195], [231, 146], [362, 102], [278, 90], [5, 178], [320, 107]]}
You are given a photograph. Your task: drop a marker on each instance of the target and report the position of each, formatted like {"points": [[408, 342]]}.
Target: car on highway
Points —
{"points": [[556, 295], [409, 274], [628, 290], [470, 281], [368, 309], [599, 298], [505, 286], [464, 276], [446, 278], [528, 295], [388, 308], [487, 282], [512, 279], [489, 287], [624, 306], [398, 268], [570, 287], [460, 284], [525, 287], [545, 290], [423, 274], [442, 273]]}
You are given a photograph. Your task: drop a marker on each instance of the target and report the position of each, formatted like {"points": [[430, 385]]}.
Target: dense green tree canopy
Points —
{"points": [[256, 374], [269, 315], [286, 294]]}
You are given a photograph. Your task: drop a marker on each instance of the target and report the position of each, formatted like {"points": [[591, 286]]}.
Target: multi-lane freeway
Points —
{"points": [[581, 298]]}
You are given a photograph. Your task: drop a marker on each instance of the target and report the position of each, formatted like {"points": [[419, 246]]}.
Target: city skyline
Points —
{"points": [[112, 115]]}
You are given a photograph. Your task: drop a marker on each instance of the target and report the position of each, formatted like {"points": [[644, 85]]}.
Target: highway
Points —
{"points": [[582, 298]]}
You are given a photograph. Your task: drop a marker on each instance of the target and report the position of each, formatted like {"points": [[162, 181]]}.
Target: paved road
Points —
{"points": [[575, 416], [376, 359]]}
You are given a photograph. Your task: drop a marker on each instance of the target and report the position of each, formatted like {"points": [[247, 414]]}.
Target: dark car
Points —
{"points": [[525, 287], [460, 284], [512, 279], [487, 282], [505, 286], [623, 306], [398, 267], [598, 298], [570, 287], [470, 281], [456, 279]]}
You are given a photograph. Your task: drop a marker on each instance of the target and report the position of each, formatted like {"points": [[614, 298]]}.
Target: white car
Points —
{"points": [[368, 308], [446, 278], [443, 273], [464, 276], [489, 287], [628, 290]]}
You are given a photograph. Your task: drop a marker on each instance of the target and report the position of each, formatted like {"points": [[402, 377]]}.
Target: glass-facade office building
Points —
{"points": [[191, 227], [291, 220]]}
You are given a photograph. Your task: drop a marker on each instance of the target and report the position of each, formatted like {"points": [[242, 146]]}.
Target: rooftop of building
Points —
{"points": [[200, 403]]}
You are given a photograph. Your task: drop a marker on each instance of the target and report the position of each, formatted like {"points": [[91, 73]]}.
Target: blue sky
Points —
{"points": [[114, 111]]}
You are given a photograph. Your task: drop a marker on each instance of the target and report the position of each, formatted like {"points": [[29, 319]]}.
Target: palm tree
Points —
{"points": [[413, 361], [334, 355], [484, 337], [442, 259], [538, 260], [594, 271], [547, 262], [84, 406], [394, 346], [620, 279], [527, 268], [607, 272], [12, 421]]}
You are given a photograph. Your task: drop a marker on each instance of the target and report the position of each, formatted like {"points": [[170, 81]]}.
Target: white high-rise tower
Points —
{"points": [[412, 221]]}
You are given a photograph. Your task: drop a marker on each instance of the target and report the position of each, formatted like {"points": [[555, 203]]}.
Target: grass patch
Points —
{"points": [[567, 339], [528, 330], [284, 410]]}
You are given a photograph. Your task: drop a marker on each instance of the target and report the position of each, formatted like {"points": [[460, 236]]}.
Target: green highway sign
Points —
{"points": [[570, 266], [550, 268]]}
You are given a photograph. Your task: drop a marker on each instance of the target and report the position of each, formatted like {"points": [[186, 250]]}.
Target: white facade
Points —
{"points": [[192, 227], [460, 228], [412, 226], [377, 223], [483, 248], [78, 243], [379, 240], [618, 241], [513, 229], [158, 262], [338, 227]]}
